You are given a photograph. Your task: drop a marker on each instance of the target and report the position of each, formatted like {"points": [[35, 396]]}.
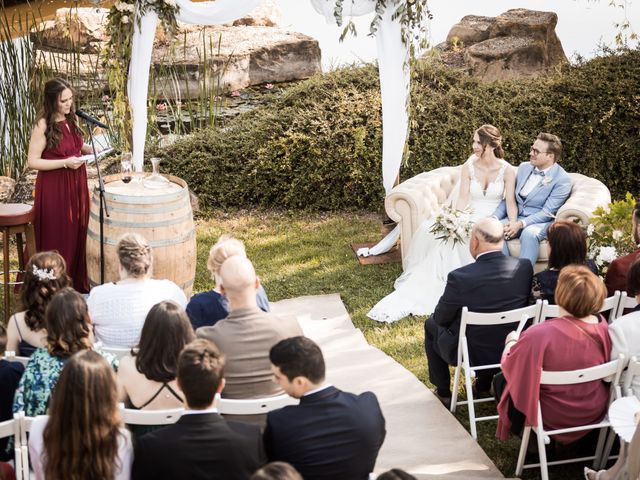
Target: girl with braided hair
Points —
{"points": [[46, 273], [118, 309]]}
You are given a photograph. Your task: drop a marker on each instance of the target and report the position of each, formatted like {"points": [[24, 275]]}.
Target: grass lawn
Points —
{"points": [[299, 254]]}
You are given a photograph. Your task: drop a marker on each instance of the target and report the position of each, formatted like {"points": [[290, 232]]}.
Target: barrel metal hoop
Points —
{"points": [[162, 223], [153, 244], [172, 207], [150, 200]]}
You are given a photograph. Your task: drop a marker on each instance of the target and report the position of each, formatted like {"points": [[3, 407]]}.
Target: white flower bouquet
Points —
{"points": [[452, 224]]}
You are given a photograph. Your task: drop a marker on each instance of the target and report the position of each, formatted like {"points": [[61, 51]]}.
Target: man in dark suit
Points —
{"points": [[201, 444], [493, 283], [616, 278], [332, 434]]}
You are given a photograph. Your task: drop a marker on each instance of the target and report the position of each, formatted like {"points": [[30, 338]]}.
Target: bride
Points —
{"points": [[485, 181]]}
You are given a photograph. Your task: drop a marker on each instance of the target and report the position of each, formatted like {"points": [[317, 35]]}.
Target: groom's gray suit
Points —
{"points": [[538, 208]]}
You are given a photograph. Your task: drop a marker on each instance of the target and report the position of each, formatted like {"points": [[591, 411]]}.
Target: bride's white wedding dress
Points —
{"points": [[430, 260]]}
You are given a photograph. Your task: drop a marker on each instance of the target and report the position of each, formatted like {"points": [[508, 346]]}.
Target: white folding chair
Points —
{"points": [[25, 427], [520, 316], [229, 406], [11, 356], [118, 352], [573, 377], [610, 304], [11, 428], [626, 303], [632, 373], [132, 416]]}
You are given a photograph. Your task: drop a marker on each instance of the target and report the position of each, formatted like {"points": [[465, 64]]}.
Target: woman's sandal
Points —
{"points": [[590, 474]]}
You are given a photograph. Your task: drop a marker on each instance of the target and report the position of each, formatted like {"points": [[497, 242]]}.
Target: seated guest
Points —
{"points": [[201, 445], [45, 274], [493, 283], [247, 334], [578, 339], [147, 377], [83, 436], [277, 471], [68, 331], [330, 434], [10, 373], [206, 308], [567, 245], [625, 331], [118, 309], [395, 474], [616, 278]]}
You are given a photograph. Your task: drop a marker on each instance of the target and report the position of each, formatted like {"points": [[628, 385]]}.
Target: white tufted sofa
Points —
{"points": [[418, 198]]}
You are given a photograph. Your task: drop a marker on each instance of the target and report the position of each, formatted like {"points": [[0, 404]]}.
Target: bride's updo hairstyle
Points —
{"points": [[135, 255], [490, 136]]}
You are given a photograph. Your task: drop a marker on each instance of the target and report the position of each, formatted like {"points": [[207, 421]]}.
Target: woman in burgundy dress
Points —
{"points": [[62, 195]]}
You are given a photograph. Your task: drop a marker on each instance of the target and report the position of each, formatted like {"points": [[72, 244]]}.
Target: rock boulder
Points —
{"points": [[518, 43]]}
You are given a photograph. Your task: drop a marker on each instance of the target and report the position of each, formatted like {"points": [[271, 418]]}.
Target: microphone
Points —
{"points": [[91, 119]]}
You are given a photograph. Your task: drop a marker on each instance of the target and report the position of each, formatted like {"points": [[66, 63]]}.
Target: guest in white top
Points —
{"points": [[83, 437], [118, 309], [625, 331]]}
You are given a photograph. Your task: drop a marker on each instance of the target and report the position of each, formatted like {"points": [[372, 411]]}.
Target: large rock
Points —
{"points": [[7, 186], [250, 51], [518, 43]]}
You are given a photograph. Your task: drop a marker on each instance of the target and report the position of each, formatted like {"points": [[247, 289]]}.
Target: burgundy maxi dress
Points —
{"points": [[62, 207]]}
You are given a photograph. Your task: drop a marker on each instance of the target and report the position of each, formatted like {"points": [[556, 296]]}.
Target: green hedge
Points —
{"points": [[318, 145]]}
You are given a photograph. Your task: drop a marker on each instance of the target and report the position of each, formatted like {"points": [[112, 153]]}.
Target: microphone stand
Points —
{"points": [[103, 202]]}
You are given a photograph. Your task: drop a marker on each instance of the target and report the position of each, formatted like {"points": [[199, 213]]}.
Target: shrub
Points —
{"points": [[318, 146]]}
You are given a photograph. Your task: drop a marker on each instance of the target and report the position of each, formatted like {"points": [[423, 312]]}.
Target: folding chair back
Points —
{"points": [[132, 416], [256, 406], [10, 356], [118, 352], [11, 428], [626, 303], [610, 305], [519, 316], [631, 376], [25, 427], [603, 372]]}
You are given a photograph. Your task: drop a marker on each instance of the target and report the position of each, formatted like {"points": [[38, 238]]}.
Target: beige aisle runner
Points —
{"points": [[423, 438]]}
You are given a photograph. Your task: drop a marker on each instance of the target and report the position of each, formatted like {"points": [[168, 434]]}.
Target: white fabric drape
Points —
{"points": [[393, 68], [203, 13]]}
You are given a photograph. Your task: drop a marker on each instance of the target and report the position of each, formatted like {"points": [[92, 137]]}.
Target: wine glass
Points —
{"points": [[126, 167]]}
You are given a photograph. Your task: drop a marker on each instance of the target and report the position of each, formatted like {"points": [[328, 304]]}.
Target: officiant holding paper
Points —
{"points": [[61, 192]]}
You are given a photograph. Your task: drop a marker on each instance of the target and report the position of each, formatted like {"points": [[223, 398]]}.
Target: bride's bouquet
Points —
{"points": [[452, 224]]}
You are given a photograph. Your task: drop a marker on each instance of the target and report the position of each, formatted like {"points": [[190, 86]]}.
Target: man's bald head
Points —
{"points": [[238, 276], [487, 235]]}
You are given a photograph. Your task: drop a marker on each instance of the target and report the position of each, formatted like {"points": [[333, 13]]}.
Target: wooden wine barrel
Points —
{"points": [[162, 216]]}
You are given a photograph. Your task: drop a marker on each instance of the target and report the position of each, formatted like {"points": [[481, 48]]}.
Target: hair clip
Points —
{"points": [[43, 273]]}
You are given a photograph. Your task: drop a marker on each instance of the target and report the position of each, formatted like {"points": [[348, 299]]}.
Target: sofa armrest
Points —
{"points": [[587, 194], [417, 199]]}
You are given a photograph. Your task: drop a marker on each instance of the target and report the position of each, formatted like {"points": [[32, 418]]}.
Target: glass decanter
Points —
{"points": [[155, 180]]}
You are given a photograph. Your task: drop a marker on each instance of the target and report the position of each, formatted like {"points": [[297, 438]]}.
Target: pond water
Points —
{"points": [[582, 24]]}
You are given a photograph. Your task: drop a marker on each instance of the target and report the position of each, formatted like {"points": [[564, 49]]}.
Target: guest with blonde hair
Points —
{"points": [[83, 437], [118, 309], [206, 308], [45, 274]]}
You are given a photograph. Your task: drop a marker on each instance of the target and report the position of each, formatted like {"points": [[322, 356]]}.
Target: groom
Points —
{"points": [[542, 187]]}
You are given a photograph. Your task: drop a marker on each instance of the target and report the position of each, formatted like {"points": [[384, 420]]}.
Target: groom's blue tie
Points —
{"points": [[538, 172]]}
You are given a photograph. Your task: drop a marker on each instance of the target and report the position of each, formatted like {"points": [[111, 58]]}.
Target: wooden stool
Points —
{"points": [[15, 219]]}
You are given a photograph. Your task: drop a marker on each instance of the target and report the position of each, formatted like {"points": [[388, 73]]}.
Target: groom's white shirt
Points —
{"points": [[534, 180]]}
